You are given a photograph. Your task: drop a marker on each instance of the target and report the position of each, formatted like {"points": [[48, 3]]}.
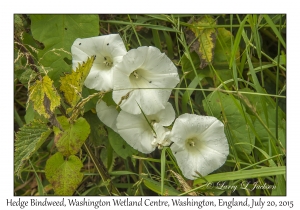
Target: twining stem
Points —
{"points": [[97, 162], [102, 171], [77, 109], [29, 56]]}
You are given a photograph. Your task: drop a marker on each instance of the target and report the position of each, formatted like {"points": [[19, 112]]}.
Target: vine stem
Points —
{"points": [[97, 162], [102, 171], [80, 105]]}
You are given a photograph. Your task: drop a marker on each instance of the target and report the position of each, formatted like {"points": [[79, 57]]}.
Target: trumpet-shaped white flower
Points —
{"points": [[144, 80], [137, 132], [109, 50], [107, 114], [200, 144]]}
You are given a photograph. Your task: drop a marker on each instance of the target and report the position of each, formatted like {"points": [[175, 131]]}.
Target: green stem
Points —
{"points": [[268, 57], [102, 171], [277, 82]]}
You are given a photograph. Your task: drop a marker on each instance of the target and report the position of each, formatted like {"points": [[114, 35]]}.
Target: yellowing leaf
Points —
{"points": [[71, 84], [44, 96], [69, 141], [202, 37], [64, 175]]}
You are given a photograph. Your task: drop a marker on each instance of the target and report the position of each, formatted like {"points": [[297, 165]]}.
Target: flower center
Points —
{"points": [[135, 75], [108, 62], [191, 142], [153, 122], [138, 79]]}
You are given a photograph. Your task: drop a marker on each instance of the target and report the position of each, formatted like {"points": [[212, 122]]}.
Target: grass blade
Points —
{"points": [[162, 169], [275, 30], [243, 174]]}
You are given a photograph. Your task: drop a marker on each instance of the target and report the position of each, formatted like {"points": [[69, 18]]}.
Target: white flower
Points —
{"points": [[109, 50], [107, 114], [200, 144], [162, 137], [140, 79], [137, 132]]}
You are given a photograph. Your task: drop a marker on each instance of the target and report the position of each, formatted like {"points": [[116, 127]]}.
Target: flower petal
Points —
{"points": [[107, 114], [165, 117], [142, 79], [200, 144], [99, 80], [109, 50], [135, 130]]}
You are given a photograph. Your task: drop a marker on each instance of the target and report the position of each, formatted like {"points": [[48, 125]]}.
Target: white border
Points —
{"points": [[8, 8]]}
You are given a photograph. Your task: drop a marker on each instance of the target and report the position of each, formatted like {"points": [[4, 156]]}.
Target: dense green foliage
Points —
{"points": [[232, 67]]}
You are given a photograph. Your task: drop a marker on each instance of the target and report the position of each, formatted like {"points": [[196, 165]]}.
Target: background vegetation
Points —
{"points": [[232, 67]]}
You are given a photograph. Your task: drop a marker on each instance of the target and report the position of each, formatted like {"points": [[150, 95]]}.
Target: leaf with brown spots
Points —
{"points": [[201, 35], [71, 84], [44, 96], [70, 140], [64, 174]]}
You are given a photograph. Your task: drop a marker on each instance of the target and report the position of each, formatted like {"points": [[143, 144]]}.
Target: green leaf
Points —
{"points": [[57, 33], [156, 187], [109, 99], [91, 103], [28, 140], [282, 60], [280, 183], [18, 23], [186, 64], [270, 121], [121, 173], [72, 84], [119, 145], [242, 174], [223, 47], [41, 94], [64, 174], [237, 41], [98, 133], [202, 29], [170, 45], [69, 141], [265, 124], [156, 39], [31, 114], [275, 30], [26, 76], [186, 97], [231, 111], [108, 156], [38, 180]]}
